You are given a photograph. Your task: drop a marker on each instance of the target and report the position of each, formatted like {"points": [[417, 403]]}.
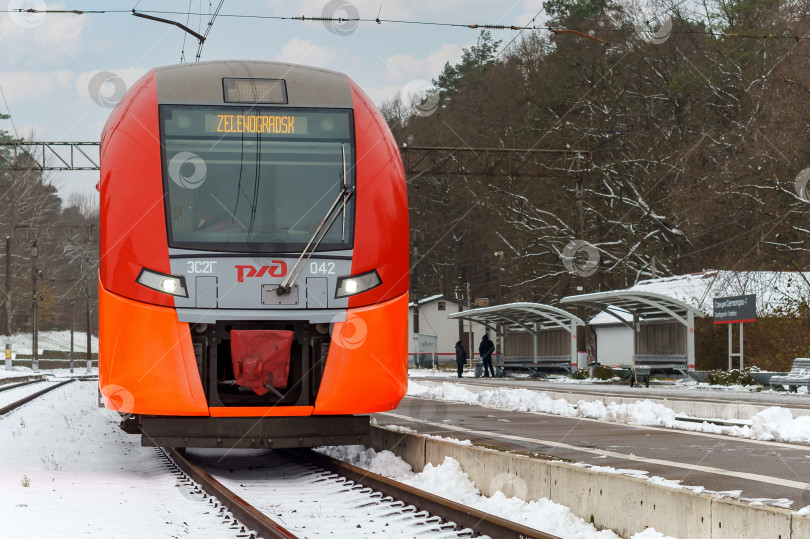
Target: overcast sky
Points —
{"points": [[48, 61]]}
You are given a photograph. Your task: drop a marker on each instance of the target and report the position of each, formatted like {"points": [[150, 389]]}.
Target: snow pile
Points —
{"points": [[772, 424], [516, 400], [641, 412], [449, 481], [779, 424], [384, 463]]}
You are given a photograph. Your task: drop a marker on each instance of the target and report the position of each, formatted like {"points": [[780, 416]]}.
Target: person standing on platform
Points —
{"points": [[461, 357], [485, 350]]}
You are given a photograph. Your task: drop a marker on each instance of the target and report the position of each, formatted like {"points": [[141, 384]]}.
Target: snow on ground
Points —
{"points": [[50, 340], [68, 470], [449, 481], [772, 424], [10, 396]]}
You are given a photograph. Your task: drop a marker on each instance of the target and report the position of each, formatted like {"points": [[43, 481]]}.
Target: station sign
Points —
{"points": [[735, 309]]}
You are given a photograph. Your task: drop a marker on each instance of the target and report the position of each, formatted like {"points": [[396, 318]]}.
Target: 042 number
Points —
{"points": [[326, 268]]}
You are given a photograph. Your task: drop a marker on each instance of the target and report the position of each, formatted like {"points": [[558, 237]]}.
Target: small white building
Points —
{"points": [[614, 340], [433, 322]]}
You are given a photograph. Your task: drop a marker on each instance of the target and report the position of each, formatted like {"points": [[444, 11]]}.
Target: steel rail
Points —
{"points": [[242, 510], [8, 408], [478, 521], [6, 387]]}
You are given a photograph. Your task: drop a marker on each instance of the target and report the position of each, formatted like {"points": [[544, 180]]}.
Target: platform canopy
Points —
{"points": [[647, 306], [643, 306], [531, 317]]}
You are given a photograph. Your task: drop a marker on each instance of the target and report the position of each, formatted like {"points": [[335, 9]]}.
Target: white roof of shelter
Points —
{"points": [[432, 298], [776, 291], [522, 315], [646, 305]]}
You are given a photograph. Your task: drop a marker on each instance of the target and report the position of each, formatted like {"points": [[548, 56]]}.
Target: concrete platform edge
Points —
{"points": [[626, 505]]}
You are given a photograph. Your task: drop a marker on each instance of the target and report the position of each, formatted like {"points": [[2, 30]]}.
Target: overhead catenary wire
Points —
{"points": [[185, 34], [208, 29], [531, 22], [582, 32]]}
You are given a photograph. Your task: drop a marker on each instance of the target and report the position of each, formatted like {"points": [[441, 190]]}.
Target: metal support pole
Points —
{"points": [[34, 309], [471, 336], [7, 304], [741, 346], [690, 340], [7, 291], [636, 328], [729, 347], [574, 351], [72, 304], [499, 345], [89, 342], [534, 341]]}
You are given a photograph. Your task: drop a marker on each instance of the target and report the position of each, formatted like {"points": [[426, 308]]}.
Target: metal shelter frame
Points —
{"points": [[531, 317], [643, 307]]}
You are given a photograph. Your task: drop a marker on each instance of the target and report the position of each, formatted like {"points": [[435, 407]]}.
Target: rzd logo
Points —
{"points": [[278, 268]]}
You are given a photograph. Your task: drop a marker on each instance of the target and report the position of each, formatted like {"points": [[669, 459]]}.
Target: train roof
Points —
{"points": [[202, 84]]}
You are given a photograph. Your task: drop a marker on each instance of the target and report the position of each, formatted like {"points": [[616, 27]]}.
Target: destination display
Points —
{"points": [[735, 309], [274, 124]]}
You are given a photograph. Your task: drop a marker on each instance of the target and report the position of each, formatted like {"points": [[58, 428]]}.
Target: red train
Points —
{"points": [[254, 269]]}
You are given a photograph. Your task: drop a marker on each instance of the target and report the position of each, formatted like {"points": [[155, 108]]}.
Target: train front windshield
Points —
{"points": [[256, 179]]}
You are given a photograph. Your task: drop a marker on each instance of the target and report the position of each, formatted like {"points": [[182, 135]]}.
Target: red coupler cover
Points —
{"points": [[261, 357]]}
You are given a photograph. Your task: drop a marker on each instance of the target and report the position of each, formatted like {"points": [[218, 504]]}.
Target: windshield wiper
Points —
{"points": [[346, 192]]}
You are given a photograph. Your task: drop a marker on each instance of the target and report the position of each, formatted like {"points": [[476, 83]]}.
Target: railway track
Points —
{"points": [[7, 387], [361, 499], [31, 396]]}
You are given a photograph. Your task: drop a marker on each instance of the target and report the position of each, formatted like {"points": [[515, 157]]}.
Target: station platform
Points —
{"points": [[772, 472]]}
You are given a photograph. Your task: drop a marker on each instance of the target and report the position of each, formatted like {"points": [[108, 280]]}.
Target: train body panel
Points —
{"points": [[148, 364], [382, 213], [367, 368], [258, 203], [132, 216]]}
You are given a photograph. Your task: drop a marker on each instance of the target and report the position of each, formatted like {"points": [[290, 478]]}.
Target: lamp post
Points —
{"points": [[7, 304], [72, 303], [89, 342], [34, 308]]}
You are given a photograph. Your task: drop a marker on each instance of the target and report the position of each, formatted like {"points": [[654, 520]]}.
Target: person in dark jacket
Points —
{"points": [[485, 350], [461, 357]]}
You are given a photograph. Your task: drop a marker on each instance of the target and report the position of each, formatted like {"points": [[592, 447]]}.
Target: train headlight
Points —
{"points": [[354, 284], [168, 284]]}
